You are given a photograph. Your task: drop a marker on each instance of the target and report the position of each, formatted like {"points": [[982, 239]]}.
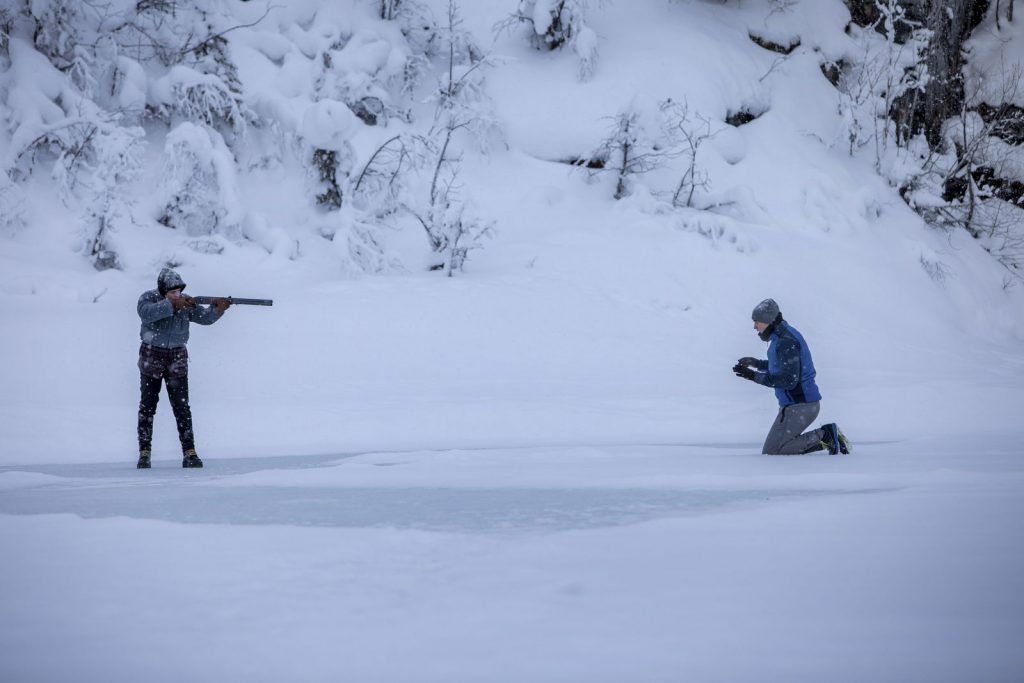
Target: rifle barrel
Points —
{"points": [[207, 300]]}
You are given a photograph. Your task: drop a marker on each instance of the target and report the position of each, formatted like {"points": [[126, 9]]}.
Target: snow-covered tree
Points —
{"points": [[60, 26], [553, 24], [190, 95], [120, 83], [456, 230], [370, 70], [890, 66], [381, 184], [327, 128], [461, 104], [92, 158], [636, 144], [687, 131], [84, 73], [984, 180], [114, 166], [947, 25], [200, 194]]}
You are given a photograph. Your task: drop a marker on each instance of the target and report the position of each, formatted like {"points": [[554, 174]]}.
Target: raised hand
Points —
{"points": [[743, 371]]}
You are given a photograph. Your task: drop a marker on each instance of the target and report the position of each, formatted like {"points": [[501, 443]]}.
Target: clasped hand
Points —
{"points": [[744, 369]]}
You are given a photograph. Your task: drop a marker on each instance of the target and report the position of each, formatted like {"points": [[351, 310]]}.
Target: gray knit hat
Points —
{"points": [[168, 280], [766, 312]]}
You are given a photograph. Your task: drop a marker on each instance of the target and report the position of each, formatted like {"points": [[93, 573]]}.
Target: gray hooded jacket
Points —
{"points": [[162, 326]]}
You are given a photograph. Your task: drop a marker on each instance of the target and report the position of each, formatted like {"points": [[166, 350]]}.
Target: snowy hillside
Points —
{"points": [[513, 260], [635, 304]]}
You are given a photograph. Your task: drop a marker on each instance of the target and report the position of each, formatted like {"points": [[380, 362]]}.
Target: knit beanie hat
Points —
{"points": [[766, 312]]}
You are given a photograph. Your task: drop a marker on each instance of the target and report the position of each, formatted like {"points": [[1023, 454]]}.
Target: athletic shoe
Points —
{"points": [[190, 459], [844, 445], [143, 463], [831, 434]]}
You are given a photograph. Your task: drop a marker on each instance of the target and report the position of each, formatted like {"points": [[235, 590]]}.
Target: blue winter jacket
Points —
{"points": [[166, 328], [789, 368]]}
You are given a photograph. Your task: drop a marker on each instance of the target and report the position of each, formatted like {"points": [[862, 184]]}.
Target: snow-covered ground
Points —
{"points": [[901, 562], [541, 469]]}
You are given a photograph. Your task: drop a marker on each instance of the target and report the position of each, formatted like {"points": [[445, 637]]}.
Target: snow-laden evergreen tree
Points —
{"points": [[120, 83], [358, 240], [61, 28], [80, 68], [370, 71], [92, 157], [327, 129], [114, 167], [188, 94], [200, 194], [101, 45], [554, 24]]}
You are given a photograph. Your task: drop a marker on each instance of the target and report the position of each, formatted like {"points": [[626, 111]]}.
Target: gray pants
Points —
{"points": [[786, 436]]}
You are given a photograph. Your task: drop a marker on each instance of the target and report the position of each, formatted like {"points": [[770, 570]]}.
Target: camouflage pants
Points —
{"points": [[155, 366]]}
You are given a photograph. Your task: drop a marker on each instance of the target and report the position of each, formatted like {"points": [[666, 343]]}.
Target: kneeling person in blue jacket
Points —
{"points": [[790, 371], [165, 314]]}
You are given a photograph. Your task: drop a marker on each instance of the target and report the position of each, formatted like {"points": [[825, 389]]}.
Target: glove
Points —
{"points": [[748, 362], [221, 304], [743, 371]]}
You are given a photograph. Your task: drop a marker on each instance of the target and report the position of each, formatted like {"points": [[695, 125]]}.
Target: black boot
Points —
{"points": [[190, 459], [143, 463]]}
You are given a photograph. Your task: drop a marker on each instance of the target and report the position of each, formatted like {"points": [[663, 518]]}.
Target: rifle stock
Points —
{"points": [[207, 300]]}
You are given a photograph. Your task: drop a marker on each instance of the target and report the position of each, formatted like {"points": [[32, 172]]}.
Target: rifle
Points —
{"points": [[207, 300]]}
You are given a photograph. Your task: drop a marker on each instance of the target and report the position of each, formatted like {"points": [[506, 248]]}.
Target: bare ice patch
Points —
{"points": [[186, 497]]}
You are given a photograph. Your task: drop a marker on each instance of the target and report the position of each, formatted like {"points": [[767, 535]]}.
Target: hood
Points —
{"points": [[168, 280]]}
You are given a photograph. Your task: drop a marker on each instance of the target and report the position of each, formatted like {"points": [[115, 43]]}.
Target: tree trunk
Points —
{"points": [[943, 94], [389, 9], [863, 12], [620, 187], [916, 111]]}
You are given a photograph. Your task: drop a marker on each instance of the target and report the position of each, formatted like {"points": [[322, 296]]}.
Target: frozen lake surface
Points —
{"points": [[904, 561], [167, 493]]}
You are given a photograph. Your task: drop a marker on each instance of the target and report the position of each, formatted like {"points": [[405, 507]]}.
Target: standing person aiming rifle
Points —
{"points": [[165, 313]]}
